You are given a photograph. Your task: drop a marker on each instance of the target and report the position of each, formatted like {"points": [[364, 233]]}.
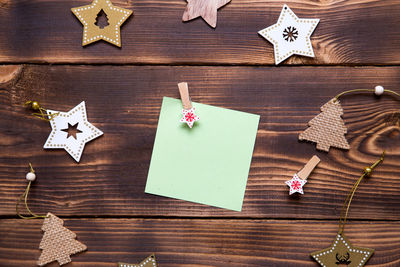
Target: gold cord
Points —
{"points": [[42, 114], [345, 210], [363, 90], [25, 196]]}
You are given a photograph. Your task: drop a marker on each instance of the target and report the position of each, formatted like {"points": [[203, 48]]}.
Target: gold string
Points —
{"points": [[42, 114], [363, 90], [25, 196], [367, 172]]}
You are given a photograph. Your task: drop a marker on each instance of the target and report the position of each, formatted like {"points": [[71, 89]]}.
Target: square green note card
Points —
{"points": [[208, 164]]}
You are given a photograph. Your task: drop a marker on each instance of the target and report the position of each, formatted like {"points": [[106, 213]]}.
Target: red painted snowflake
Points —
{"points": [[189, 117], [296, 184]]}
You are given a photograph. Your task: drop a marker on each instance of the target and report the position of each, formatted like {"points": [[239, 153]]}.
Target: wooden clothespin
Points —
{"points": [[308, 168], [189, 117], [300, 179], [184, 91]]}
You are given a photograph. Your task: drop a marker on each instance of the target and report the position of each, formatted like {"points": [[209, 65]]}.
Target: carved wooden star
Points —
{"points": [[207, 9], [59, 138], [342, 253], [148, 262], [91, 32]]}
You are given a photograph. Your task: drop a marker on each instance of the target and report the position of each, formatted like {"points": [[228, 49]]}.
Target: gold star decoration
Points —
{"points": [[150, 261], [87, 15], [207, 9], [342, 253]]}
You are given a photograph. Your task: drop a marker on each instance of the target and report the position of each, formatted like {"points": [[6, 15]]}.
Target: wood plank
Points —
{"points": [[124, 102], [199, 242], [350, 32]]}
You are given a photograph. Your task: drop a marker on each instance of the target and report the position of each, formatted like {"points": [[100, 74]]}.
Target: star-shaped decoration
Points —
{"points": [[87, 15], [207, 9], [342, 253], [72, 130], [189, 117], [59, 138], [148, 262], [290, 35], [296, 184]]}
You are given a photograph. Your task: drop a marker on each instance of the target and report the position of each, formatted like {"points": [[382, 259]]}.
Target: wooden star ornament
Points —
{"points": [[342, 253], [150, 261], [207, 9], [87, 15], [61, 124], [290, 35]]}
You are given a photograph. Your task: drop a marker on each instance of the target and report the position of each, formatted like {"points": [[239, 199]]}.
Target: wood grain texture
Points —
{"points": [[9, 72], [350, 32], [199, 243], [124, 102]]}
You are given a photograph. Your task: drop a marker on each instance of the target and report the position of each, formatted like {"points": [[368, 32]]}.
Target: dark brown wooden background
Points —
{"points": [[102, 199]]}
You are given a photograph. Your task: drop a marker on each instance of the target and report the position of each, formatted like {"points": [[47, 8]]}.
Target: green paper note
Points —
{"points": [[208, 164]]}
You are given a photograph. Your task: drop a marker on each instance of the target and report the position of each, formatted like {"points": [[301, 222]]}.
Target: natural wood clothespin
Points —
{"points": [[184, 91], [308, 168], [188, 110]]}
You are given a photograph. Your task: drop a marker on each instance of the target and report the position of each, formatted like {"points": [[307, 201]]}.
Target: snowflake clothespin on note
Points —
{"points": [[290, 35], [71, 131], [87, 15], [300, 179], [148, 262], [188, 111], [207, 9]]}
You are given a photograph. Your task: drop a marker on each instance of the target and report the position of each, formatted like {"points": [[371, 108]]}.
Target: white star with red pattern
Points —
{"points": [[296, 184], [189, 117]]}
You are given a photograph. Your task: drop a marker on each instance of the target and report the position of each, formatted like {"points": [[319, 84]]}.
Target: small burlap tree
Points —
{"points": [[58, 243], [327, 128]]}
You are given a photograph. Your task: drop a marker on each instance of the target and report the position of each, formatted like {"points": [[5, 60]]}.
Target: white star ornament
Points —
{"points": [[60, 137], [290, 35]]}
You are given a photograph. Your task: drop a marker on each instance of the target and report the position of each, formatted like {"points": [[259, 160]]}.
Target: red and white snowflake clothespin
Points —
{"points": [[300, 179], [189, 117]]}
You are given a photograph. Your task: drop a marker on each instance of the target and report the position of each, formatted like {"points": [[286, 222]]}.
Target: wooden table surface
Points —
{"points": [[102, 199]]}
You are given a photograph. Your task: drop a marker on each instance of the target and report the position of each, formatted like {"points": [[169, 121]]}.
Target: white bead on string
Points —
{"points": [[379, 90], [30, 176]]}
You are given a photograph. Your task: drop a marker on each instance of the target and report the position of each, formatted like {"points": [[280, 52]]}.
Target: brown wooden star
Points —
{"points": [[87, 15], [342, 253], [207, 9]]}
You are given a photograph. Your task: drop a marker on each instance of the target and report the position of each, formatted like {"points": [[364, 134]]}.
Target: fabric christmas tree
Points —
{"points": [[327, 128], [58, 243]]}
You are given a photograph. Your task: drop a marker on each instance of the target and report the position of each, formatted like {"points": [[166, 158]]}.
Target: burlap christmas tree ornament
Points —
{"points": [[58, 243], [327, 128]]}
